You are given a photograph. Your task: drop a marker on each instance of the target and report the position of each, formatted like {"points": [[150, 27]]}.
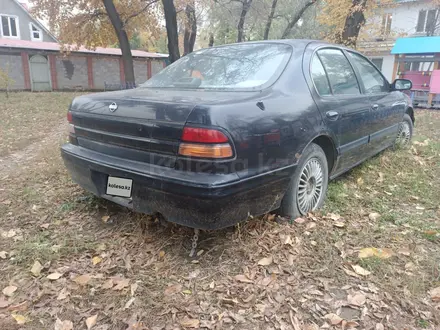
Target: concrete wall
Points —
{"points": [[105, 70], [72, 72], [12, 64], [140, 71], [10, 7]]}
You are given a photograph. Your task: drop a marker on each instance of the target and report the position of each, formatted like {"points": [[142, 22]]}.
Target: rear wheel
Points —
{"points": [[308, 185], [404, 134]]}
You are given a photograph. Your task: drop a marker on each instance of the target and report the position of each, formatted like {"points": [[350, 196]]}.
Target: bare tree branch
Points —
{"points": [[143, 10]]}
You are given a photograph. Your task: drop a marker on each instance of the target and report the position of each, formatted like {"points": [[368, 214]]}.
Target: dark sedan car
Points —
{"points": [[237, 130]]}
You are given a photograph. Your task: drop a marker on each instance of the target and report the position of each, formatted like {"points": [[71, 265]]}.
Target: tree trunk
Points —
{"points": [[269, 19], [171, 25], [240, 26], [353, 23], [211, 40], [296, 18], [124, 43], [190, 29]]}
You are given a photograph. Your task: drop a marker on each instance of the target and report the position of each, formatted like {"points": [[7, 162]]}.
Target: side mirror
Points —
{"points": [[401, 85]]}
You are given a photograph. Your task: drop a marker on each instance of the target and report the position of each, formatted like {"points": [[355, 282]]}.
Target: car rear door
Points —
{"points": [[386, 107], [345, 111]]}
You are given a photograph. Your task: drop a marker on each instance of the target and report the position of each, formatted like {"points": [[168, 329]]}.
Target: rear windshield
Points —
{"points": [[238, 67]]}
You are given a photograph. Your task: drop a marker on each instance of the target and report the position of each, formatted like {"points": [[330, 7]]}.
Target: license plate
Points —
{"points": [[119, 186]]}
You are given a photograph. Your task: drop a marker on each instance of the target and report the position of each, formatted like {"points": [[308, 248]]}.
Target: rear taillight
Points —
{"points": [[203, 135], [205, 143], [72, 137]]}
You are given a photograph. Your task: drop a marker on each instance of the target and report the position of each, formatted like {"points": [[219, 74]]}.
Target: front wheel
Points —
{"points": [[404, 134], [308, 185]]}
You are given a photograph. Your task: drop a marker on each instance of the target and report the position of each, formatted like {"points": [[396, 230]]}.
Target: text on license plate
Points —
{"points": [[119, 186]]}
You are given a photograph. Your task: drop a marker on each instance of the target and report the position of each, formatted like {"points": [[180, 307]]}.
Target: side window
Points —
{"points": [[319, 77], [370, 76], [340, 73]]}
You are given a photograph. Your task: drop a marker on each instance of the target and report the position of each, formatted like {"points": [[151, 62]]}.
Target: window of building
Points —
{"points": [[36, 33], [339, 71], [378, 62], [428, 21], [9, 26], [387, 19]]}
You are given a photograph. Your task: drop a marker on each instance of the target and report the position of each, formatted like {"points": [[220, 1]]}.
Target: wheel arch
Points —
{"points": [[328, 146], [410, 112]]}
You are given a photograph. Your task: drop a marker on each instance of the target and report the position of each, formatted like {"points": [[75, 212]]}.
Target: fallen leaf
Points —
{"points": [[63, 325], [63, 294], [36, 268], [161, 254], [379, 326], [300, 220], [360, 181], [243, 279], [9, 290], [190, 323], [435, 294], [105, 218], [187, 291], [357, 299], [404, 251], [108, 284], [333, 216], [351, 324], [351, 273], [96, 260], [410, 266], [361, 271], [374, 216], [333, 318], [265, 261], [21, 319], [380, 179], [20, 307], [54, 276], [374, 252], [45, 225], [3, 303], [121, 284], [339, 224], [172, 289], [3, 254], [91, 321], [82, 279], [200, 253], [290, 259], [133, 288], [129, 302]]}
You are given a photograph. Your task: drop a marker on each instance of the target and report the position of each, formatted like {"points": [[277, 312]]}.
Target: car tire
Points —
{"points": [[404, 133], [308, 185]]}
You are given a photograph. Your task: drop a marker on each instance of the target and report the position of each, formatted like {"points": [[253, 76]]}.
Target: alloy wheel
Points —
{"points": [[310, 186], [403, 135]]}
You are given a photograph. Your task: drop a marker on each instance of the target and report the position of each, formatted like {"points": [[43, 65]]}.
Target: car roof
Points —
{"points": [[297, 43]]}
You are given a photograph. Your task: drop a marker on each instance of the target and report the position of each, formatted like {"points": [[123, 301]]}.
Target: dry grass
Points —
{"points": [[310, 274]]}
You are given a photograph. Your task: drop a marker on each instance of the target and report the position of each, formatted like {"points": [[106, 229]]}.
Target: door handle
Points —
{"points": [[375, 106], [332, 115]]}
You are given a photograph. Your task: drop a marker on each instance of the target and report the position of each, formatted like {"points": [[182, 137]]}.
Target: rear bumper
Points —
{"points": [[197, 200]]}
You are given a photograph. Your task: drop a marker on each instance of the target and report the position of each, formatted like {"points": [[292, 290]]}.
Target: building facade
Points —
{"points": [[33, 59], [405, 18]]}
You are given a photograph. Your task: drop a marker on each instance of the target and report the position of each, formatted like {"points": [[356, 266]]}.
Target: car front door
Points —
{"points": [[345, 111], [386, 107]]}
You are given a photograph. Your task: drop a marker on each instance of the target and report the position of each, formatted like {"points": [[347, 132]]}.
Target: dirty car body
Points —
{"points": [[216, 136]]}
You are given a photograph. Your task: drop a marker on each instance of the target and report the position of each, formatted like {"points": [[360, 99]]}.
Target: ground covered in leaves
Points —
{"points": [[369, 260]]}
